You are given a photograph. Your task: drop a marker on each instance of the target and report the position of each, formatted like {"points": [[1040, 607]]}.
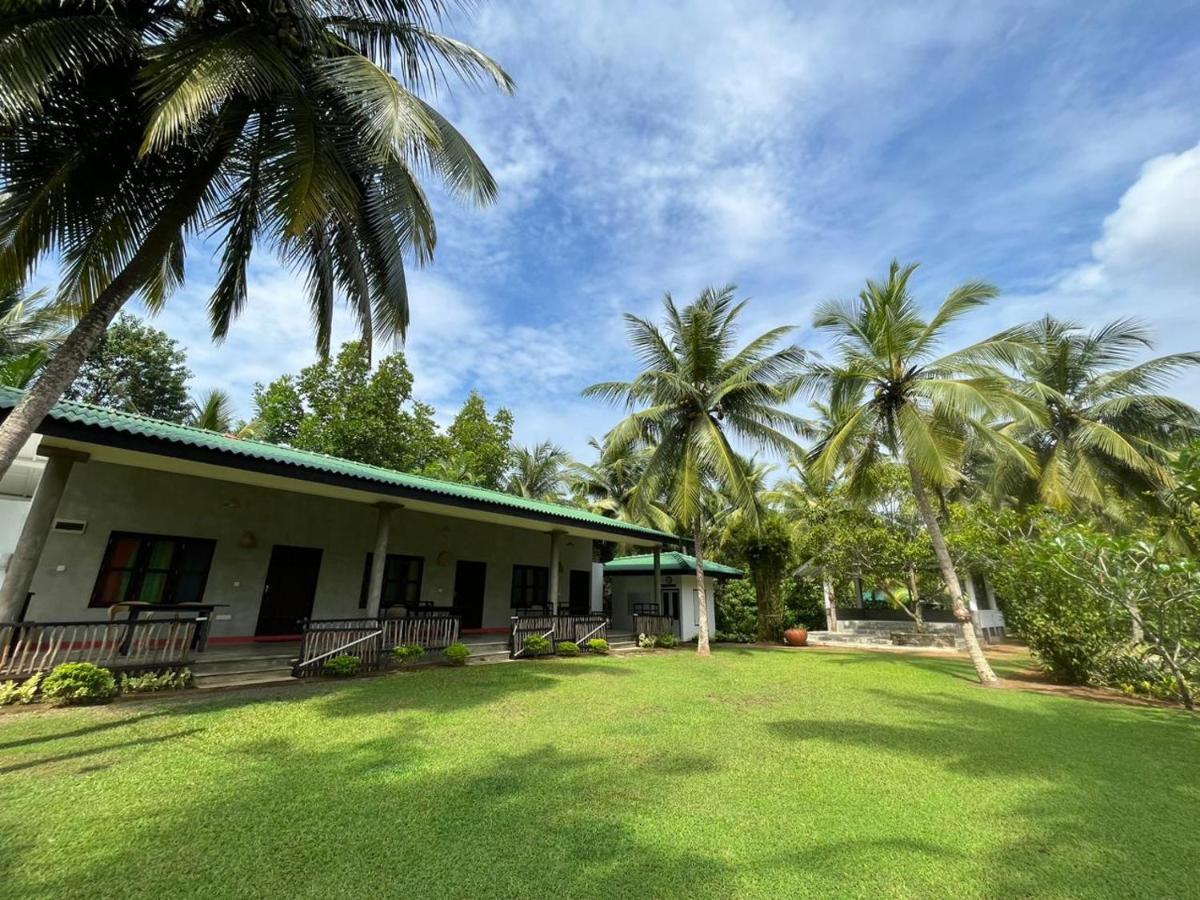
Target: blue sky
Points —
{"points": [[794, 149]]}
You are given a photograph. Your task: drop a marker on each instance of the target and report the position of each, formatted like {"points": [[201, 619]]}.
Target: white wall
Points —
{"points": [[120, 498], [631, 589]]}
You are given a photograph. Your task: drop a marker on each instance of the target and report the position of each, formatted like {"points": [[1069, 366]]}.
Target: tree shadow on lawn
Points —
{"points": [[135, 743], [80, 732], [448, 689], [541, 823], [1094, 788]]}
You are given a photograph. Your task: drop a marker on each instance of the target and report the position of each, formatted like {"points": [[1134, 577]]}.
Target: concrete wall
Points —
{"points": [[631, 589], [120, 498]]}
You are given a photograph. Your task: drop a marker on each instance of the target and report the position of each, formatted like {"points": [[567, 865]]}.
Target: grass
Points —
{"points": [[755, 773]]}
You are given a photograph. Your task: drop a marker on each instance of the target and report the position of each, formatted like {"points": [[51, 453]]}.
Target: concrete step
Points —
{"points": [[235, 666], [833, 638], [246, 679]]}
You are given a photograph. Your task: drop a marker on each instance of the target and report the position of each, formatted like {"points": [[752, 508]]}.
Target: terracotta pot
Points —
{"points": [[796, 637]]}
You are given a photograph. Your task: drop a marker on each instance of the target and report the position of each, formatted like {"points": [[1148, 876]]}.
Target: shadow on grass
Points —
{"points": [[136, 743], [541, 823], [80, 732], [448, 689], [1079, 769]]}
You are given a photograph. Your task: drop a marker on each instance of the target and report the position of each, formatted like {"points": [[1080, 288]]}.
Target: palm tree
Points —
{"points": [[890, 396], [126, 129], [1109, 431], [212, 411], [611, 486], [30, 332], [693, 394], [539, 472]]}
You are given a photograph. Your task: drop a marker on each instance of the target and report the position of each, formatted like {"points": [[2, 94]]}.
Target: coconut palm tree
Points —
{"points": [[694, 393], [212, 411], [892, 397], [1110, 431], [127, 128], [540, 472], [30, 332], [611, 486]]}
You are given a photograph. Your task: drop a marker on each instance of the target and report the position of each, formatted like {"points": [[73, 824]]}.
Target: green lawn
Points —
{"points": [[755, 773]]}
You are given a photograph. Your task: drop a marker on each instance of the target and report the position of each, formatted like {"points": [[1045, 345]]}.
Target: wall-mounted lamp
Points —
{"points": [[247, 541]]}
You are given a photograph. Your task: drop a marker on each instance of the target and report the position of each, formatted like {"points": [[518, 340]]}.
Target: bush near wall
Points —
{"points": [[78, 684]]}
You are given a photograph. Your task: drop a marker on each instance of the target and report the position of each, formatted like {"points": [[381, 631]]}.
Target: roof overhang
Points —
{"points": [[139, 451]]}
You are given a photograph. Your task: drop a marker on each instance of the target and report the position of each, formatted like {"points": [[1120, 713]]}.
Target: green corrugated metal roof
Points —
{"points": [[303, 460], [674, 563]]}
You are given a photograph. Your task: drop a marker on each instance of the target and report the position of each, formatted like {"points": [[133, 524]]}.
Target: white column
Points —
{"points": [[38, 523], [658, 580], [555, 556], [383, 529]]}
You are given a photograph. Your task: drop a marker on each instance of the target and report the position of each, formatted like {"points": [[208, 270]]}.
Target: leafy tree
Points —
{"points": [[891, 396], [1095, 608], [539, 472], [1109, 431], [344, 408], [693, 393], [479, 447], [212, 411], [766, 548], [298, 125], [135, 367]]}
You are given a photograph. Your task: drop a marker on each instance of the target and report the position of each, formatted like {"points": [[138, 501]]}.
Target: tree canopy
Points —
{"points": [[344, 407], [137, 368]]}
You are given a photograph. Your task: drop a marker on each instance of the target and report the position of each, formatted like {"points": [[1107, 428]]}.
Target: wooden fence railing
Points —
{"points": [[556, 629], [30, 647], [371, 640], [655, 625], [431, 632]]}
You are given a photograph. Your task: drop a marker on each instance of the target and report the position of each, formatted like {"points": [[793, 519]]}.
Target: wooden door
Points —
{"points": [[469, 581], [290, 590]]}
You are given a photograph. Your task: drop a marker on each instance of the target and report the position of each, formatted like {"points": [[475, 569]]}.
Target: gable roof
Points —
{"points": [[96, 424], [673, 563]]}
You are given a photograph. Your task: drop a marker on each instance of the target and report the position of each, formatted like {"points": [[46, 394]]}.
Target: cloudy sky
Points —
{"points": [[793, 149]]}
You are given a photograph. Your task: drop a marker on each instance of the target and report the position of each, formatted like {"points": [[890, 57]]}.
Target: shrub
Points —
{"points": [[598, 646], [343, 666], [568, 648], [73, 684], [666, 641], [20, 692], [456, 654], [536, 645], [646, 641], [150, 682], [27, 693], [407, 652], [733, 637]]}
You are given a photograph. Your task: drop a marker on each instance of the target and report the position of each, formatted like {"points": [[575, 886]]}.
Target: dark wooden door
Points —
{"points": [[580, 592], [290, 590], [469, 580]]}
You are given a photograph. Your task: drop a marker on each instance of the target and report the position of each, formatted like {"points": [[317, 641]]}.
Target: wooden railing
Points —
{"points": [[371, 640], [431, 632], [656, 625], [556, 629], [30, 647]]}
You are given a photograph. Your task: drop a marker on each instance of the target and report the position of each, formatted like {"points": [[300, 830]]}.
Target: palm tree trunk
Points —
{"points": [[986, 676], [58, 374], [702, 648]]}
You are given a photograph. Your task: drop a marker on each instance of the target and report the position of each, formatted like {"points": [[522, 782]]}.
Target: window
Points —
{"points": [[152, 568], [530, 587], [401, 581]]}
